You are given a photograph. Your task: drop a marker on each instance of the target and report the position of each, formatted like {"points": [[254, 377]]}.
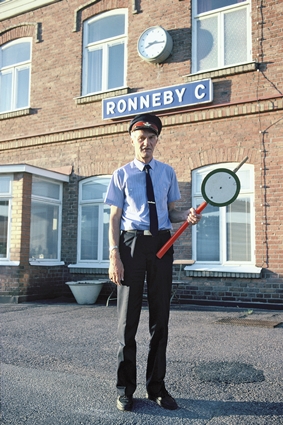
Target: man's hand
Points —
{"points": [[116, 268], [177, 216], [192, 216]]}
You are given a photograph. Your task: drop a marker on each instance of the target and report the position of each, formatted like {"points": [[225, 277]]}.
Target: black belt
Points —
{"points": [[144, 232]]}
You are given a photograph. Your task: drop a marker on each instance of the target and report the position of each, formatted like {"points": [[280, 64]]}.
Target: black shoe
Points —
{"points": [[125, 402], [165, 400]]}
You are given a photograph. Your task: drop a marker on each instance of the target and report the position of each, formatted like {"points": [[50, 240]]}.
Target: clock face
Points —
{"points": [[155, 44]]}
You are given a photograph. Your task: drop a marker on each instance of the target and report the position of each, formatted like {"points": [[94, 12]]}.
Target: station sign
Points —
{"points": [[159, 99]]}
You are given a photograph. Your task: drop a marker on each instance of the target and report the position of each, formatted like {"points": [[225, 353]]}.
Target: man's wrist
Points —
{"points": [[112, 247], [114, 252]]}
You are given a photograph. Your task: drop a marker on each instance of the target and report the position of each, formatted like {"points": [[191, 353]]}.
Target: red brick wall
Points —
{"points": [[245, 118], [57, 61]]}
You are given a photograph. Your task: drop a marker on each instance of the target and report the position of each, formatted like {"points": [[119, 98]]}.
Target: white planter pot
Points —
{"points": [[86, 291]]}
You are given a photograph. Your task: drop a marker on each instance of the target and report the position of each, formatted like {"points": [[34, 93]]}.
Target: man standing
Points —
{"points": [[142, 195]]}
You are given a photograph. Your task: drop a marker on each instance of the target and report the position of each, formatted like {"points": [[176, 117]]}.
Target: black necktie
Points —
{"points": [[151, 203]]}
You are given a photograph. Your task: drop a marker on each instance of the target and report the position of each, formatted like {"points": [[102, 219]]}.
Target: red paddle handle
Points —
{"points": [[181, 229]]}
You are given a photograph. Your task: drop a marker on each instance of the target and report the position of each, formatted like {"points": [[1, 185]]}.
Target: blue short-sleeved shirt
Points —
{"points": [[127, 190]]}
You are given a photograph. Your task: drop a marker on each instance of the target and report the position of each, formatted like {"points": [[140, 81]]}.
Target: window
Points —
{"points": [[225, 235], [221, 34], [93, 221], [46, 213], [15, 64], [5, 214], [104, 55]]}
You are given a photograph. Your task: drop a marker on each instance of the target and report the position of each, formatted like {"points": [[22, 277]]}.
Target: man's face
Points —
{"points": [[144, 142]]}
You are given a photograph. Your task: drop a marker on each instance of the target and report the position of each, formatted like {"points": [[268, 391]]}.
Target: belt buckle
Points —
{"points": [[147, 233]]}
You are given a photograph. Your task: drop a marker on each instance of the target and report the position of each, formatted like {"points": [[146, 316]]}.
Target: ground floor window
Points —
{"points": [[45, 225], [225, 235], [5, 215], [93, 221]]}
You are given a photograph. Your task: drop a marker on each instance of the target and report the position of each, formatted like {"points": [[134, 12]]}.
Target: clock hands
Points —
{"points": [[154, 42]]}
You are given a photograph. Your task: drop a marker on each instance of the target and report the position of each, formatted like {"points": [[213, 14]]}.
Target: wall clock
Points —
{"points": [[155, 44]]}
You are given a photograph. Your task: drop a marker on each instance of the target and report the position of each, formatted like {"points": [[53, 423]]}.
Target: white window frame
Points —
{"points": [[219, 13], [99, 263], [13, 69], [104, 45], [7, 196], [54, 202], [246, 191]]}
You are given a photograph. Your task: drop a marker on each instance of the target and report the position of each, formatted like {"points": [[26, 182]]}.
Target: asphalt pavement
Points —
{"points": [[224, 366]]}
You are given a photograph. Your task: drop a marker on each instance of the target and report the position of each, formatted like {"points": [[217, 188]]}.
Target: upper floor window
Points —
{"points": [[15, 64], [5, 215], [46, 217], [221, 34], [104, 52], [93, 222], [225, 235]]}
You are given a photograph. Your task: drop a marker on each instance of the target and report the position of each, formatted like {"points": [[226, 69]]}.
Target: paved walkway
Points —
{"points": [[59, 361]]}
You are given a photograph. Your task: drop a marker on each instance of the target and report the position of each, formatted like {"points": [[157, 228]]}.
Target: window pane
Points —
{"points": [[106, 215], [45, 189], [94, 190], [238, 216], [4, 211], [235, 37], [22, 100], [44, 231], [199, 179], [15, 54], [245, 179], [5, 184], [206, 5], [5, 92], [208, 235], [94, 220], [94, 71], [116, 66], [104, 28], [89, 232], [207, 43]]}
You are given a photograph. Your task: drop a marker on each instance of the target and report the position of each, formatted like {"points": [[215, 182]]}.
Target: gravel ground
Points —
{"points": [[59, 366]]}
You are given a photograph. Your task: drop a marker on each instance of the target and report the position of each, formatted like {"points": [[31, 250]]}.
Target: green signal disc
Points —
{"points": [[220, 187]]}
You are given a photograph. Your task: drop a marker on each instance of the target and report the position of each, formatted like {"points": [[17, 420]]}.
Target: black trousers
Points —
{"points": [[138, 254]]}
